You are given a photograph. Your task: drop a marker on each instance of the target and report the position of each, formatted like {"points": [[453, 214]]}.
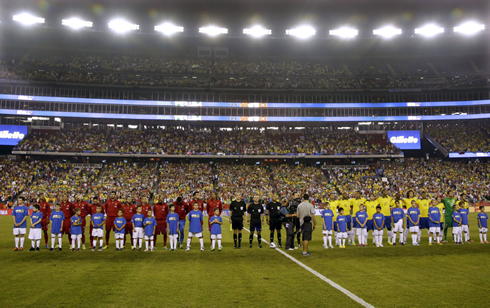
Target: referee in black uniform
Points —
{"points": [[255, 212], [237, 215], [273, 218]]}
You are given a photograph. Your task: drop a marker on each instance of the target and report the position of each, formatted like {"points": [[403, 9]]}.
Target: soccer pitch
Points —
{"points": [[393, 276]]}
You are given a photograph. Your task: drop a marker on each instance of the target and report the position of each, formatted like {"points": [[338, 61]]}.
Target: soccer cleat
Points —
{"points": [[79, 250], [181, 246], [430, 244], [331, 247], [56, 246], [299, 245], [72, 250], [295, 247], [71, 247], [360, 245], [146, 250], [403, 244], [117, 249], [239, 247], [416, 244], [439, 243], [51, 249], [59, 249], [363, 245], [32, 249], [352, 244], [381, 245], [83, 247], [290, 249], [343, 246], [134, 248], [188, 248], [234, 247], [213, 249], [153, 250], [165, 247], [106, 246], [220, 248], [486, 242], [260, 246], [306, 254], [470, 241], [377, 245], [250, 246], [393, 244], [46, 246], [202, 248], [139, 249], [280, 246], [100, 248], [94, 248]]}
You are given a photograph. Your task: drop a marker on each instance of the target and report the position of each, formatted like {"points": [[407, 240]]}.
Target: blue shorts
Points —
{"points": [[335, 227], [349, 222], [388, 222], [424, 223], [442, 225], [354, 223], [181, 226], [370, 225]]}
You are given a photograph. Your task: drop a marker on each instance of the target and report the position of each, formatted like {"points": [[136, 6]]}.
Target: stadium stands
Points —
{"points": [[470, 137]]}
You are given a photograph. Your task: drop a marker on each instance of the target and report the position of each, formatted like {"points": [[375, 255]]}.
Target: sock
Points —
{"points": [[235, 239], [259, 237], [445, 234], [146, 244], [359, 239], [45, 237], [239, 239], [38, 242], [325, 240], [16, 242], [481, 237], [175, 241], [438, 238], [394, 238], [419, 235], [165, 240], [213, 242], [117, 244], [201, 242], [22, 239], [485, 237], [298, 236], [94, 243], [83, 239], [189, 242], [140, 242], [79, 241], [250, 239], [60, 241], [380, 239], [69, 237], [101, 242], [414, 238], [404, 234], [389, 234], [279, 239], [32, 244], [466, 236], [134, 242], [272, 237], [430, 239], [219, 243], [53, 237], [330, 240], [402, 238], [343, 242], [73, 243], [152, 244], [107, 237]]}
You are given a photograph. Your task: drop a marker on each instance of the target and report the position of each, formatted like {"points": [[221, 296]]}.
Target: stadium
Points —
{"points": [[282, 153]]}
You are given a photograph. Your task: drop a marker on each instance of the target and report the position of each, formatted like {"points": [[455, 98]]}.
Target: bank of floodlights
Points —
{"points": [[302, 32], [344, 32], [257, 31], [469, 28], [387, 32], [213, 30], [122, 26], [168, 29], [77, 23], [28, 19], [430, 30]]}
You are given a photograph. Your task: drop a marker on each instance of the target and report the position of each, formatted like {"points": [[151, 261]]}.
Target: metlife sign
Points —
{"points": [[405, 139], [12, 134]]}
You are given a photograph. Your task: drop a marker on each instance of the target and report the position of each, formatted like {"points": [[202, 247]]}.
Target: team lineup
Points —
{"points": [[342, 220]]}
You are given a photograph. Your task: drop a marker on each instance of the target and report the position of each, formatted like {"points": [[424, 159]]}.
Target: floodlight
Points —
{"points": [[122, 26], [168, 29], [429, 30], [469, 28], [213, 30], [344, 32], [257, 31], [387, 32], [302, 32], [76, 23], [28, 19]]}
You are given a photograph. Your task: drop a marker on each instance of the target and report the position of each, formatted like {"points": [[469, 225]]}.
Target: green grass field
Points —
{"points": [[393, 276]]}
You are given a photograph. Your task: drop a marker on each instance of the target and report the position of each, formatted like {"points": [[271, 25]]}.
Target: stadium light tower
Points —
{"points": [[469, 28], [213, 30], [168, 29], [28, 19], [76, 23], [257, 31], [429, 30], [122, 26], [302, 32], [344, 32], [387, 32]]}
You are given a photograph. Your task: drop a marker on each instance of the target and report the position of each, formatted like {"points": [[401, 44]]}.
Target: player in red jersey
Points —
{"points": [[160, 211], [213, 203], [67, 209], [45, 208], [112, 207], [181, 208], [195, 198], [93, 210], [84, 211], [129, 210], [145, 207]]}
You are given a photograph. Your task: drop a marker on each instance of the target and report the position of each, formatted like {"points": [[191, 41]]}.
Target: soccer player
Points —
{"points": [[19, 215], [76, 229], [379, 222], [93, 211], [441, 207], [45, 208], [129, 210], [464, 212], [293, 209], [273, 210], [196, 197], [327, 225], [112, 207], [213, 203], [237, 210], [385, 202], [255, 219], [397, 215], [342, 227], [182, 209], [119, 230], [57, 218], [84, 211], [457, 222], [161, 211], [137, 221], [361, 219], [448, 202], [173, 227], [97, 222], [345, 203], [150, 224], [424, 205], [334, 205], [370, 210], [35, 231], [413, 216], [483, 224], [195, 226], [355, 203], [434, 222], [67, 209], [216, 223]]}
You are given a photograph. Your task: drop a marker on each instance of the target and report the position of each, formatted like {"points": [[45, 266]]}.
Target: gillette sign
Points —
{"points": [[12, 134], [405, 139]]}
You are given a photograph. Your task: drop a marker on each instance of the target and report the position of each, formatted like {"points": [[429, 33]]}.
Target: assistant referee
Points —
{"points": [[237, 215]]}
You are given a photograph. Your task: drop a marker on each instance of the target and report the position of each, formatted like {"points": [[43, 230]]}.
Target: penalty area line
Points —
{"points": [[354, 297]]}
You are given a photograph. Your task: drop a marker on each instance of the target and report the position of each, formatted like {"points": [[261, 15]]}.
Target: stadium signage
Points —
{"points": [[405, 140], [12, 134]]}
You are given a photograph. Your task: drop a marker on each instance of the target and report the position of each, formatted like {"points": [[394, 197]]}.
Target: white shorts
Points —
{"points": [[98, 232], [378, 232], [19, 231], [215, 236], [362, 231], [398, 226], [35, 234], [434, 230], [483, 230], [149, 238], [465, 228], [327, 232], [119, 236], [342, 234], [76, 236], [175, 236], [138, 232], [414, 229], [194, 234], [456, 230]]}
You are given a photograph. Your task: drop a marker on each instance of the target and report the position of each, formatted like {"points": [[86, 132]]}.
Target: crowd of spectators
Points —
{"points": [[16, 176], [462, 137]]}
